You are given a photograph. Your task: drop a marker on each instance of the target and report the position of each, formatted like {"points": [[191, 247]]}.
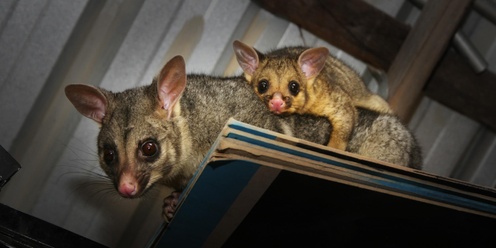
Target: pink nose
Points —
{"points": [[127, 189], [277, 104]]}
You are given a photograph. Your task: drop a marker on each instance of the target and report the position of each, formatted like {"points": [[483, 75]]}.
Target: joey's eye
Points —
{"points": [[263, 86], [294, 88], [149, 148], [109, 155]]}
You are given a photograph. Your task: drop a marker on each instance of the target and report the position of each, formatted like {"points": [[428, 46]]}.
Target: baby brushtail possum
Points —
{"points": [[159, 133], [309, 81]]}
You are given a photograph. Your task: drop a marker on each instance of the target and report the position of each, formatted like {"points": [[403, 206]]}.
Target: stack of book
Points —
{"points": [[260, 188]]}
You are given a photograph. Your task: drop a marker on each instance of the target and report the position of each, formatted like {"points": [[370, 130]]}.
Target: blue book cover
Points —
{"points": [[257, 187]]}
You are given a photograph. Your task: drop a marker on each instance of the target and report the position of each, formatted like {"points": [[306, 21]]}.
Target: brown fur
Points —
{"points": [[327, 87]]}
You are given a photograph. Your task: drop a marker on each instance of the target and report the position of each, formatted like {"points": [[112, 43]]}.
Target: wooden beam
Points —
{"points": [[455, 85], [421, 52], [352, 25]]}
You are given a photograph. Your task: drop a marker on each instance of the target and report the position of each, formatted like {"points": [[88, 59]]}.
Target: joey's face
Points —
{"points": [[280, 85]]}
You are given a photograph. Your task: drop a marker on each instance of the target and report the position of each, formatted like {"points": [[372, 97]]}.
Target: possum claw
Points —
{"points": [[169, 206]]}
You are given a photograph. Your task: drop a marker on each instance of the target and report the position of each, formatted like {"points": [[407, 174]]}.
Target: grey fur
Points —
{"points": [[205, 106]]}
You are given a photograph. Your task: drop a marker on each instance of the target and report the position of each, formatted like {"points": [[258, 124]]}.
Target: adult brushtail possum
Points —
{"points": [[309, 81], [159, 133]]}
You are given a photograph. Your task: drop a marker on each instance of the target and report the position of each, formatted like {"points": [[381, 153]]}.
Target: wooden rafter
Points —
{"points": [[352, 25], [421, 52]]}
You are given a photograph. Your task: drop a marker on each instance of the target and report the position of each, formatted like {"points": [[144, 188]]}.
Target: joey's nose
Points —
{"points": [[277, 104]]}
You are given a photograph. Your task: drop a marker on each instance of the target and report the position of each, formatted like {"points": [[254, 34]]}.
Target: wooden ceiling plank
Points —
{"points": [[421, 52], [353, 25]]}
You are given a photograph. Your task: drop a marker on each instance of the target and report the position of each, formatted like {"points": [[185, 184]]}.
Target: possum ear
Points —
{"points": [[171, 83], [88, 100], [247, 58], [312, 60]]}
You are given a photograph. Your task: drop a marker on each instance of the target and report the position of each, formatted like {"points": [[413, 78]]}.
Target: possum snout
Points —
{"points": [[277, 104], [128, 186]]}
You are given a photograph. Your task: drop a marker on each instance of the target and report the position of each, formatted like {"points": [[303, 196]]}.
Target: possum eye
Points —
{"points": [[263, 86], [149, 149], [109, 155], [294, 88]]}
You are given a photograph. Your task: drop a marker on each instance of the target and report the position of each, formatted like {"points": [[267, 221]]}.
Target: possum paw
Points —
{"points": [[169, 206]]}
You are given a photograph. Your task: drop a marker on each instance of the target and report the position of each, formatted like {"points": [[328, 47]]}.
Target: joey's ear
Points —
{"points": [[247, 57], [171, 83], [312, 60], [88, 100]]}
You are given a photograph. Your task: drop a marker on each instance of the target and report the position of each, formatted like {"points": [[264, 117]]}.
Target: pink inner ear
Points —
{"points": [[246, 56], [312, 61], [172, 82], [250, 64], [97, 109], [308, 70], [88, 100]]}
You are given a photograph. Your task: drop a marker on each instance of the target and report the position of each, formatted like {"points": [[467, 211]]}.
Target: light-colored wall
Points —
{"points": [[45, 45]]}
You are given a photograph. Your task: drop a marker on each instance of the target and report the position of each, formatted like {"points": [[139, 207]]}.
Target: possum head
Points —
{"points": [[282, 77], [137, 142]]}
